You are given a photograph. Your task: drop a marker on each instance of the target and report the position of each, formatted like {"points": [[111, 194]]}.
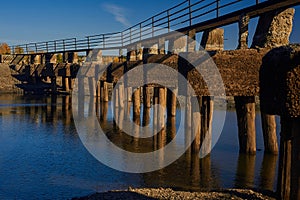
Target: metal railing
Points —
{"points": [[184, 14]]}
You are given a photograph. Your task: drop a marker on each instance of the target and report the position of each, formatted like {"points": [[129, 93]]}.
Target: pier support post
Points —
{"points": [[206, 123], [121, 95], [171, 105], [196, 124], [105, 92], [269, 133], [136, 104], [162, 100], [147, 96], [245, 110]]}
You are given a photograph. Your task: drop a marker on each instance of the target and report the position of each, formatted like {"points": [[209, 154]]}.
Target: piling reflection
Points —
{"points": [[245, 172], [188, 172]]}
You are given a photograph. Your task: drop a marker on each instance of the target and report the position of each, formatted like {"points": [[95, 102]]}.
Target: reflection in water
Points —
{"points": [[39, 143], [268, 172], [245, 172]]}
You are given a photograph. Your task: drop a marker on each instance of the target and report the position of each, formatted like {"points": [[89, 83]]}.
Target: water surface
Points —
{"points": [[42, 157]]}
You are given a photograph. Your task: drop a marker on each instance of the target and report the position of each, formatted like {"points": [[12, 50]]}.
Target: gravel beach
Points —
{"points": [[163, 194]]}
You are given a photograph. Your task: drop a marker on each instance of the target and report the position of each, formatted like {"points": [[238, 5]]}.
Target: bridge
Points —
{"points": [[199, 16], [244, 71]]}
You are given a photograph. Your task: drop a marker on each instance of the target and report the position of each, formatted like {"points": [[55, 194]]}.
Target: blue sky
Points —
{"points": [[36, 20]]}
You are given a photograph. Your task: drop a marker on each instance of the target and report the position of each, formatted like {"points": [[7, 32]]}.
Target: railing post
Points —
{"points": [[140, 31], [152, 26], [130, 35], [257, 2], [75, 43], [168, 13], [103, 38], [47, 47], [36, 49], [64, 47], [88, 41], [26, 47], [55, 46], [190, 12], [122, 40], [218, 7]]}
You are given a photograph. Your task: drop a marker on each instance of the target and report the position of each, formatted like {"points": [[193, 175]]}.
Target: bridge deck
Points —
{"points": [[182, 18]]}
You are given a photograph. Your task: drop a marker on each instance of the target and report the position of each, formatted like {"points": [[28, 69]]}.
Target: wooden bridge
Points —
{"points": [[37, 68]]}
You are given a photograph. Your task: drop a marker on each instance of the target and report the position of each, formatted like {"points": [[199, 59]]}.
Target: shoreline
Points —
{"points": [[168, 193]]}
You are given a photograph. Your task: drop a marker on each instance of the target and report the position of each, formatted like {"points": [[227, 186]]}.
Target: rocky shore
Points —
{"points": [[164, 194]]}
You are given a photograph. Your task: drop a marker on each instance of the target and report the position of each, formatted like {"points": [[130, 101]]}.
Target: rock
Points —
{"points": [[280, 82], [274, 29]]}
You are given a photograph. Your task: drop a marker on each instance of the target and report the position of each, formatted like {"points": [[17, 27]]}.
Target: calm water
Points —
{"points": [[42, 157]]}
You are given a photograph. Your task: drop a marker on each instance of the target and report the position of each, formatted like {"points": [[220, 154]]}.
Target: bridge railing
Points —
{"points": [[184, 14]]}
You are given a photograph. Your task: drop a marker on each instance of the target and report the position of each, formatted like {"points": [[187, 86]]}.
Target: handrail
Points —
{"points": [[182, 15]]}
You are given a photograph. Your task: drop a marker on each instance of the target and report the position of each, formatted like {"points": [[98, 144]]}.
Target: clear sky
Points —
{"points": [[41, 20]]}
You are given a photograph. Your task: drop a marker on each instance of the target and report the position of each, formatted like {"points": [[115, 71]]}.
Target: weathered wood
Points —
{"points": [[269, 133], [105, 92], [245, 110], [196, 124], [295, 164], [147, 96], [121, 96], [171, 102], [92, 85], [98, 91], [162, 100], [53, 84], [285, 157], [155, 115], [206, 124], [136, 104]]}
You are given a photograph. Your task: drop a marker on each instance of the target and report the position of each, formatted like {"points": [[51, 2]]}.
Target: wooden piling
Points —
{"points": [[92, 85], [116, 98], [155, 115], [245, 110], [172, 101], [147, 96], [53, 85], [105, 92], [206, 123], [98, 90], [136, 104], [121, 96], [284, 166], [269, 133], [196, 124], [162, 100]]}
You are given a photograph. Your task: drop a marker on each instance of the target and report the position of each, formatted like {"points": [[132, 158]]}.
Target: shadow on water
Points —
{"points": [[50, 120]]}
